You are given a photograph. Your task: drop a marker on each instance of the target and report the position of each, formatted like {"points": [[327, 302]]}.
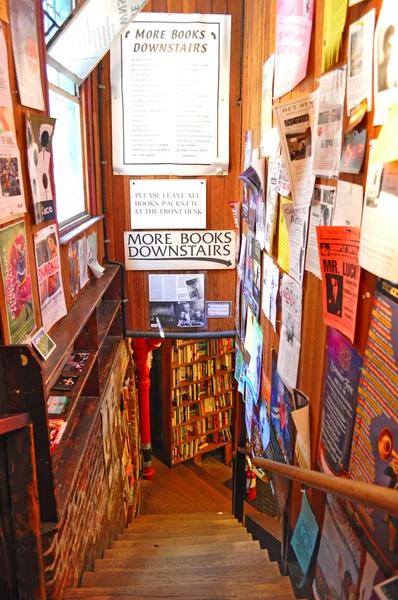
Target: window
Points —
{"points": [[67, 140]]}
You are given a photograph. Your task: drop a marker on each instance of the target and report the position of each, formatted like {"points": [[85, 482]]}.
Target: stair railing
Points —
{"points": [[366, 494]]}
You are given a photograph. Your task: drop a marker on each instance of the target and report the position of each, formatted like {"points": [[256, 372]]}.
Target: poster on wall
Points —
{"points": [[321, 213], [17, 283], [5, 91], [296, 219], [89, 33], [26, 52], [360, 63], [290, 335], [375, 439], [168, 116], [168, 203], [296, 121], [281, 416], [172, 250], [177, 301], [39, 132], [48, 264], [385, 61], [78, 265], [339, 404], [293, 36], [338, 254], [266, 97], [12, 198]]}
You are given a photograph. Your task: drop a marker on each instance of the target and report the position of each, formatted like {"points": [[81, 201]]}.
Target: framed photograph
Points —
{"points": [[43, 344]]}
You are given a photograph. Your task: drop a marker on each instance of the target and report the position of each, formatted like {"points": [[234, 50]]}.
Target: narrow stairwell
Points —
{"points": [[184, 552]]}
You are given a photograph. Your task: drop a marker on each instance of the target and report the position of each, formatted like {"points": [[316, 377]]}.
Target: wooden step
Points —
{"points": [[165, 527], [147, 535], [181, 575], [234, 559], [275, 589], [206, 489], [125, 541], [181, 550], [219, 516]]}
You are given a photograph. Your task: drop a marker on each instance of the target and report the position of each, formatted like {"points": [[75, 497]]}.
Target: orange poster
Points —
{"points": [[338, 256]]}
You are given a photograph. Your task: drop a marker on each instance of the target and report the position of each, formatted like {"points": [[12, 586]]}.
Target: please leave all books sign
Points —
{"points": [[168, 250]]}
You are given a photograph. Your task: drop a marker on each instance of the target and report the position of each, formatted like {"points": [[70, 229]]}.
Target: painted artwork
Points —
{"points": [[17, 282]]}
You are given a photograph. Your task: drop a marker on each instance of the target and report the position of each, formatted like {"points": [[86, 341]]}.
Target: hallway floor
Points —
{"points": [[188, 488]]}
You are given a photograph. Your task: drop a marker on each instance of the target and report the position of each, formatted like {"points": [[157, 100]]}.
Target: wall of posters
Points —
{"points": [[338, 254], [26, 52], [375, 439], [293, 36], [17, 282], [296, 122], [182, 125], [177, 301], [168, 203], [339, 404], [167, 250], [39, 131], [51, 292]]}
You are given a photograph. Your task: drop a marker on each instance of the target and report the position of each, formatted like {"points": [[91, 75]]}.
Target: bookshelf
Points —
{"points": [[198, 405]]}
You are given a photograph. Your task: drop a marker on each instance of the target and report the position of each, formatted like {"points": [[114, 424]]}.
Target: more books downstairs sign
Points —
{"points": [[179, 250]]}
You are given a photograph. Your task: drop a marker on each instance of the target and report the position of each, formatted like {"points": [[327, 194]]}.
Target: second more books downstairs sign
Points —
{"points": [[179, 250]]}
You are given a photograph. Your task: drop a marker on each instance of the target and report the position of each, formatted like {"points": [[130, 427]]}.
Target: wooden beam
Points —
{"points": [[11, 422]]}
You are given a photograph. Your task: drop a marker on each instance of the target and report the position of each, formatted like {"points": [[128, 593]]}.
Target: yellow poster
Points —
{"points": [[333, 27], [386, 147], [283, 239], [4, 11]]}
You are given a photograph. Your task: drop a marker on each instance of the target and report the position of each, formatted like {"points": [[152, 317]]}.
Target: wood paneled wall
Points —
{"points": [[220, 285], [259, 44]]}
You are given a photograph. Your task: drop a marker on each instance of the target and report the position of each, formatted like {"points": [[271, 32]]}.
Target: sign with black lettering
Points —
{"points": [[179, 250], [170, 95], [168, 203]]}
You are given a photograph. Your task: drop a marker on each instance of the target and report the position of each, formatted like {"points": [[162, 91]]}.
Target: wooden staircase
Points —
{"points": [[192, 556]]}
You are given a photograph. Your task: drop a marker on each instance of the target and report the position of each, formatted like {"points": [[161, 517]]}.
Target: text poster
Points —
{"points": [[78, 265], [378, 250], [283, 238], [51, 292], [39, 131], [290, 335], [293, 36], [296, 219], [296, 121], [26, 52], [177, 301], [339, 404], [348, 208], [360, 63], [274, 167], [170, 95], [321, 213], [270, 287], [335, 13], [168, 250], [385, 61], [5, 92], [339, 556], [375, 439], [168, 203], [266, 96], [17, 283], [338, 254]]}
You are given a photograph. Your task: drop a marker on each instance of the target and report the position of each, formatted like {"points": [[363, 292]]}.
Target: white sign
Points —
{"points": [[179, 250], [170, 95], [168, 203], [218, 309]]}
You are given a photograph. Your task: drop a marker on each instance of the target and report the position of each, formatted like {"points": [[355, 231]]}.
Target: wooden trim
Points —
{"points": [[88, 222], [366, 494], [12, 422]]}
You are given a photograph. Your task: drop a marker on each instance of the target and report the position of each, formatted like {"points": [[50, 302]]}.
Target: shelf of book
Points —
{"points": [[192, 438], [207, 414], [209, 448], [201, 399], [175, 365], [215, 374]]}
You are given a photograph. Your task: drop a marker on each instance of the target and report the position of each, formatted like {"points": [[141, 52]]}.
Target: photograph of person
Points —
{"points": [[356, 61], [194, 288], [334, 294], [299, 144], [387, 71]]}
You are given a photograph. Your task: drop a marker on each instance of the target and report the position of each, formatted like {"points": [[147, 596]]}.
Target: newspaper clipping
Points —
{"points": [[177, 301], [321, 213], [289, 345], [297, 226]]}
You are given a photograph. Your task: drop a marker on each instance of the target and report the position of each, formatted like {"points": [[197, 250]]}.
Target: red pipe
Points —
{"points": [[141, 348]]}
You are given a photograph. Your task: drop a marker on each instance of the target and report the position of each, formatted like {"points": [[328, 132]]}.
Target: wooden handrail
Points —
{"points": [[366, 494], [12, 422]]}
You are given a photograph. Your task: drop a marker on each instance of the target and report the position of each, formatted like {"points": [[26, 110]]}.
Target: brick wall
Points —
{"points": [[93, 515]]}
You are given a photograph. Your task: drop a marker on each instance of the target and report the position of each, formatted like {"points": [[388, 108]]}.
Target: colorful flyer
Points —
{"points": [[293, 36], [339, 404], [26, 52], [283, 238], [374, 451], [281, 415], [334, 17], [17, 283], [305, 535], [39, 132], [51, 291], [338, 253]]}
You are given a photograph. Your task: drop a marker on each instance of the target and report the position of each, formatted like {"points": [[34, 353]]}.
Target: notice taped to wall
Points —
{"points": [[167, 250], [177, 301], [338, 254], [170, 95]]}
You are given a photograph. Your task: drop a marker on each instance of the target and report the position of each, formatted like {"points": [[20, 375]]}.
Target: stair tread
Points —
{"points": [[183, 550], [127, 542], [188, 516], [194, 577], [234, 559], [140, 535], [186, 525], [276, 589], [255, 555]]}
